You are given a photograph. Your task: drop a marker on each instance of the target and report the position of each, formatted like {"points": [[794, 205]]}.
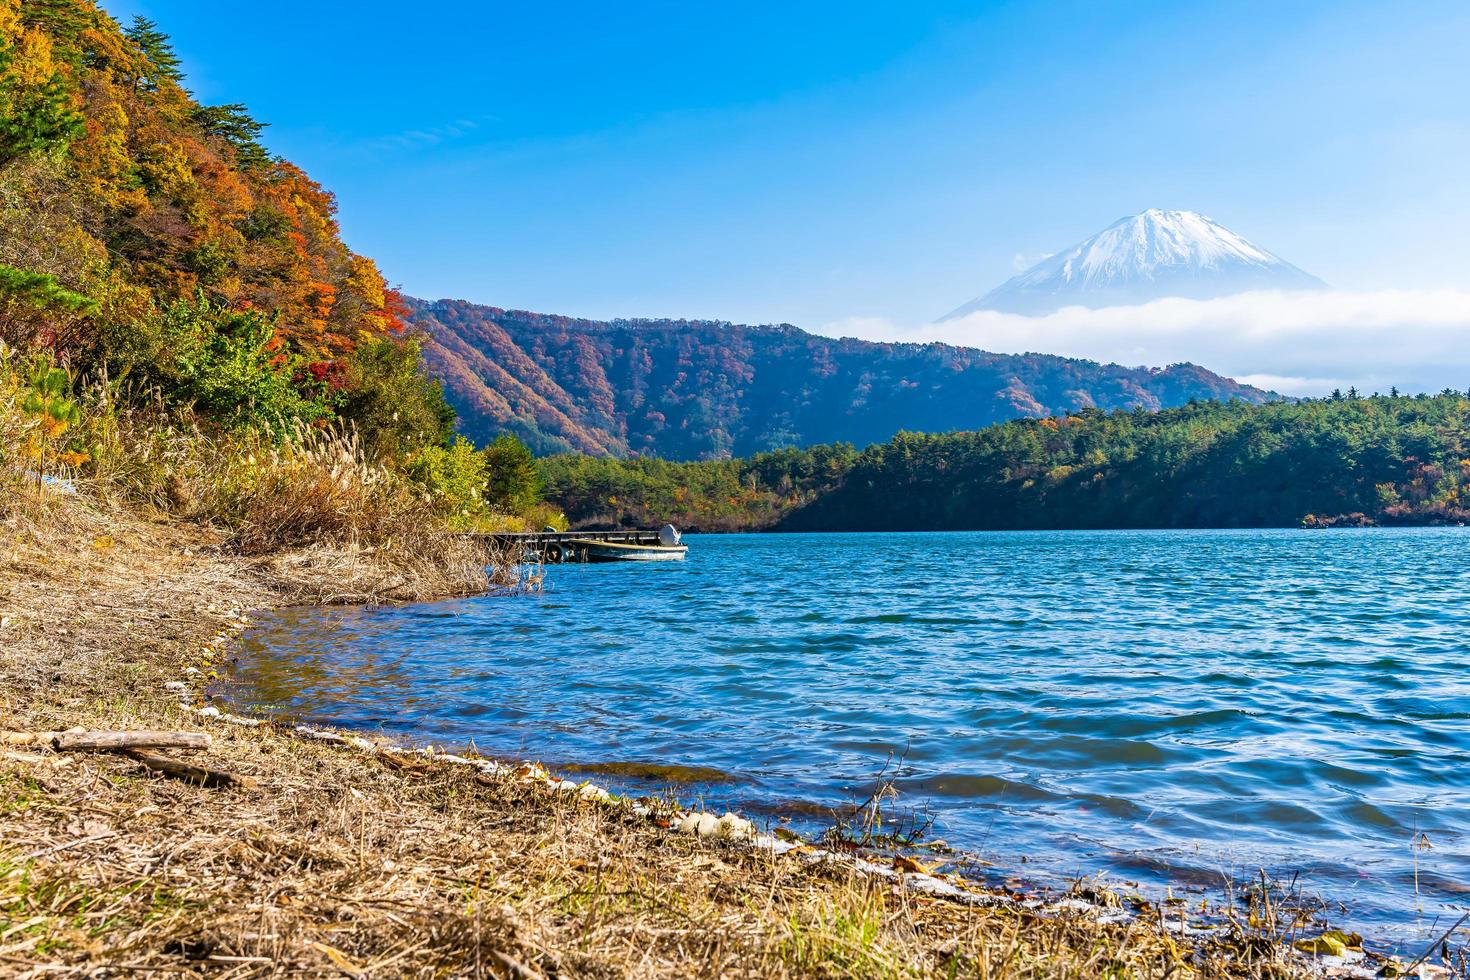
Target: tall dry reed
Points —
{"points": [[307, 503]]}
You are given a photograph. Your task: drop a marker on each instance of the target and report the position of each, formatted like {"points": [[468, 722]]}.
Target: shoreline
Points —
{"points": [[371, 861], [1110, 896]]}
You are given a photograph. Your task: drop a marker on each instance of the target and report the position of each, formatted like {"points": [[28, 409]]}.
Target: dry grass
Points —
{"points": [[320, 517], [344, 863], [267, 493]]}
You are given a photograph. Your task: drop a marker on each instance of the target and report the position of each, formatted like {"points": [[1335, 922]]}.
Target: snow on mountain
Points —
{"points": [[1145, 257]]}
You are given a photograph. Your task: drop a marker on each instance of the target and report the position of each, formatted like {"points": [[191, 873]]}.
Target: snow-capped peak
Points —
{"points": [[1143, 257]]}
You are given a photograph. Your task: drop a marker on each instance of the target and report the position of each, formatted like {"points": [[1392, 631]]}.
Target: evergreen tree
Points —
{"points": [[34, 308], [513, 483], [156, 46], [65, 22], [233, 124]]}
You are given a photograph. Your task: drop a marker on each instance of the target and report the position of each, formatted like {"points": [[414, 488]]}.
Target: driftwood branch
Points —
{"points": [[198, 775], [120, 741]]}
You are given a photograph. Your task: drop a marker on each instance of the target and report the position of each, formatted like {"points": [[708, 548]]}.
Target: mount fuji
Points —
{"points": [[1145, 257]]}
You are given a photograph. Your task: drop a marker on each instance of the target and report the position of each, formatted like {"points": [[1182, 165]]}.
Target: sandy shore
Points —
{"points": [[342, 856]]}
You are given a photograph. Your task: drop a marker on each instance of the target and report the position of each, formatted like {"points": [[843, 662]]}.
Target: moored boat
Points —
{"points": [[588, 550], [555, 547]]}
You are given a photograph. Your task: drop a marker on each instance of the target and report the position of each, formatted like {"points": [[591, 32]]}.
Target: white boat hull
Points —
{"points": [[586, 550]]}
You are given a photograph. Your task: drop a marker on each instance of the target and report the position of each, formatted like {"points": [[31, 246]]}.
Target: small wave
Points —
{"points": [[977, 787], [652, 772], [1122, 726], [1362, 813]]}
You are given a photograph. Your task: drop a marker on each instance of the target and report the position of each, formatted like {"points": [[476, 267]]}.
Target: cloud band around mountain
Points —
{"points": [[1297, 343]]}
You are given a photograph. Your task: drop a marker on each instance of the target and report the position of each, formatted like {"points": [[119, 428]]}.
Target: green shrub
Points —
{"points": [[545, 515], [395, 405], [228, 364], [453, 477]]}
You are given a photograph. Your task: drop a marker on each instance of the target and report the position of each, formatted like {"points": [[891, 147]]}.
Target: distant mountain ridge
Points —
{"points": [[1147, 256], [695, 389]]}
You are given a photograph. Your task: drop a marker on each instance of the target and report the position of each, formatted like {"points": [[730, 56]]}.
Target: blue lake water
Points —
{"points": [[1160, 706]]}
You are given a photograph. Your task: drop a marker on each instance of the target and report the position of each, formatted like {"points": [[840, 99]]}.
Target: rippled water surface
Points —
{"points": [[1158, 706]]}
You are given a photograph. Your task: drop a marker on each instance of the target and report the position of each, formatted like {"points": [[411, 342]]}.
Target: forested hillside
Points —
{"points": [[1342, 460], [180, 320], [683, 389], [122, 188]]}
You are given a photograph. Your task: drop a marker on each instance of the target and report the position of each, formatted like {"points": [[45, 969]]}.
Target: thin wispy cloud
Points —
{"points": [[427, 136], [1302, 343]]}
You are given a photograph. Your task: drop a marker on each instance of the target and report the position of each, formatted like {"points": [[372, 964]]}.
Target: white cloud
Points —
{"points": [[1303, 343]]}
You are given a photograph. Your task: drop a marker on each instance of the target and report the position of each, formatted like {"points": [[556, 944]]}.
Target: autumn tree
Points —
{"points": [[37, 112]]}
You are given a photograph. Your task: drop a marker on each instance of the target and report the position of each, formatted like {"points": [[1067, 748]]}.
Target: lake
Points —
{"points": [[1159, 706]]}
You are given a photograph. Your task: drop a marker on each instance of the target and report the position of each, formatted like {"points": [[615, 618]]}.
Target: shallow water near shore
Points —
{"points": [[1158, 706]]}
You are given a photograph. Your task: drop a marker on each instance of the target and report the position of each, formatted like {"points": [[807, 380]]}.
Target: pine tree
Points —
{"points": [[40, 291], [156, 46], [50, 404], [513, 482], [65, 22], [35, 310], [233, 124]]}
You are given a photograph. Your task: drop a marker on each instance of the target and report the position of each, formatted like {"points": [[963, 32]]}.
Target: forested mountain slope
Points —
{"points": [[123, 188], [182, 325], [1342, 460], [695, 389]]}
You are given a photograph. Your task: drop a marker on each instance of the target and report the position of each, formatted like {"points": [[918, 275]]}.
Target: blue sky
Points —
{"points": [[824, 162]]}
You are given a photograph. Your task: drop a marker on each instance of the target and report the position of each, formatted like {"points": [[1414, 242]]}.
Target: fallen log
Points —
{"points": [[119, 741], [198, 775]]}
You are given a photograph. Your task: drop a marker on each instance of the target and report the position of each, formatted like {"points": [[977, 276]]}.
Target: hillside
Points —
{"points": [[182, 325], [123, 188], [1344, 460], [691, 389]]}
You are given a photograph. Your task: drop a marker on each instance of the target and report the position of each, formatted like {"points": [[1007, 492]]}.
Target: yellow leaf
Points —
{"points": [[103, 542], [904, 863], [1334, 942]]}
